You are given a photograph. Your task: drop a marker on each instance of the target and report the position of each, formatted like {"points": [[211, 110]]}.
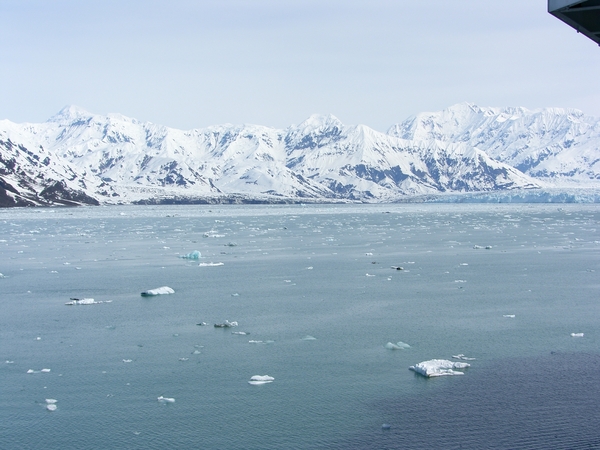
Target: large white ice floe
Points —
{"points": [[193, 255], [397, 346], [439, 368], [162, 399], [576, 334], [261, 379], [158, 291]]}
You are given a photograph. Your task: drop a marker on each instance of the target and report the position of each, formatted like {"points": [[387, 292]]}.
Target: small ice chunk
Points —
{"points": [[50, 401], [51, 407], [202, 324], [127, 360], [460, 281], [397, 346], [386, 426], [226, 324], [308, 337], [235, 294], [261, 379], [509, 316], [45, 370], [166, 399], [184, 359], [82, 301], [31, 371], [463, 357], [193, 255], [438, 368], [1, 275], [211, 264], [158, 291], [9, 362], [577, 334], [241, 333]]}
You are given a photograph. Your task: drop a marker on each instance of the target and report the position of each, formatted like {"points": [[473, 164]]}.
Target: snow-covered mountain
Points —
{"points": [[558, 146], [80, 158]]}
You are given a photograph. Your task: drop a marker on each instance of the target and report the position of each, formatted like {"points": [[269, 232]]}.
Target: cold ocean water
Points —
{"points": [[285, 273]]}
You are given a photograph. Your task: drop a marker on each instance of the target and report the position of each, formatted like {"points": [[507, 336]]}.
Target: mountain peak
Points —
{"points": [[70, 113], [321, 121]]}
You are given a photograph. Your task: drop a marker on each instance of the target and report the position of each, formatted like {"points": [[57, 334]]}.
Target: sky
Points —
{"points": [[195, 63]]}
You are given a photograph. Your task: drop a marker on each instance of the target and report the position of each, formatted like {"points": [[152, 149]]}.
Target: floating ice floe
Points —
{"points": [[83, 301], [241, 333], [439, 368], [260, 342], [158, 291], [2, 276], [9, 362], [40, 371], [397, 346], [193, 255], [211, 264], [576, 334], [166, 399], [226, 324], [460, 281], [51, 407], [308, 337], [463, 357], [127, 360], [509, 316], [487, 247], [261, 379]]}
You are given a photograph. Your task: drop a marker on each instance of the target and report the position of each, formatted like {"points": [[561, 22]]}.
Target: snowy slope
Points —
{"points": [[81, 158]]}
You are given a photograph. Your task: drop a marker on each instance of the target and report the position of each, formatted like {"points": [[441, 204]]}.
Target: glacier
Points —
{"points": [[464, 153]]}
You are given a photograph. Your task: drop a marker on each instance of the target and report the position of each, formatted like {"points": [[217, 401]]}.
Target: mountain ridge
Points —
{"points": [[77, 157]]}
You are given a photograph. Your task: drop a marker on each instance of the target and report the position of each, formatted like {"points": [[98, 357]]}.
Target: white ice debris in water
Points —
{"points": [[193, 255], [487, 247], [127, 360], [83, 301], [577, 334], [463, 357], [460, 281], [226, 324], [509, 316], [45, 370], [51, 407], [158, 291], [438, 368], [50, 401], [241, 333], [1, 275], [9, 362], [166, 399], [261, 379], [211, 264], [308, 337], [397, 346]]}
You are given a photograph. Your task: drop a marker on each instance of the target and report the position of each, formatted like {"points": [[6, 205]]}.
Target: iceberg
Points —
{"points": [[193, 255], [226, 324], [261, 379], [438, 368], [397, 346], [158, 291]]}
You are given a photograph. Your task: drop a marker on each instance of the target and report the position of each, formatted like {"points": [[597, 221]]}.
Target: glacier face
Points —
{"points": [[81, 158]]}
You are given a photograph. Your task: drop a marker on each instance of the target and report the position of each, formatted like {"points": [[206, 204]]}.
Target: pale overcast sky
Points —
{"points": [[194, 63]]}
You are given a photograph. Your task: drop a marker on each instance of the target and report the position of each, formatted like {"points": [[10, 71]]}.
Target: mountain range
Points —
{"points": [[81, 158]]}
